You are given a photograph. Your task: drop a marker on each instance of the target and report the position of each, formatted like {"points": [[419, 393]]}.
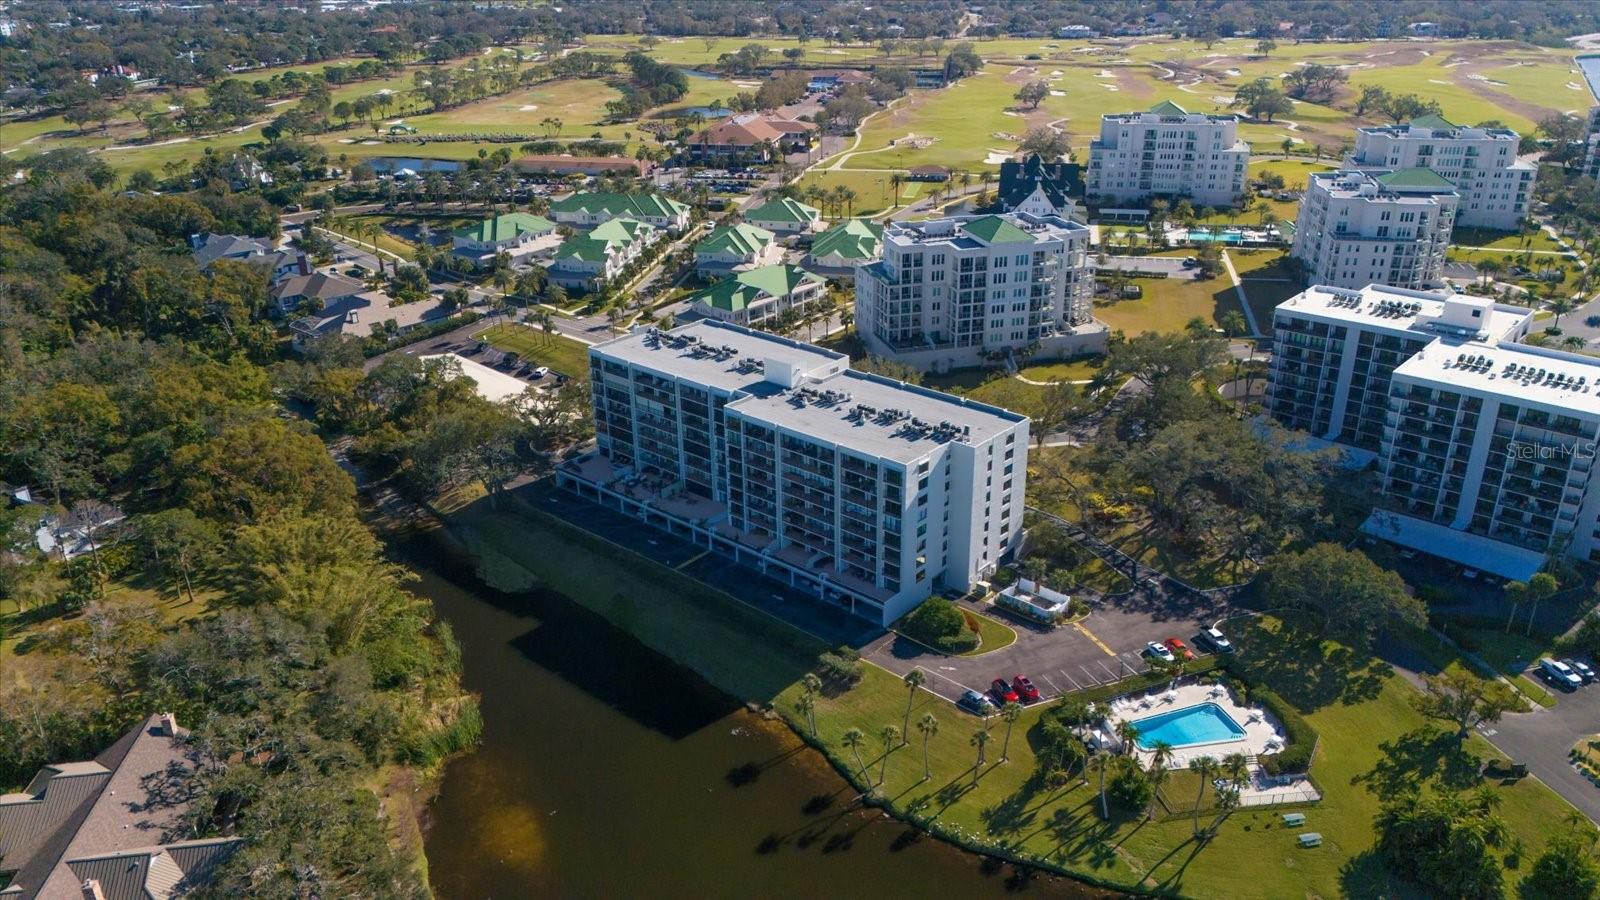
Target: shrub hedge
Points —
{"points": [[1302, 737]]}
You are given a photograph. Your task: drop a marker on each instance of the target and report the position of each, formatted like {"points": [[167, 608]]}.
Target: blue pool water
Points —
{"points": [[1203, 724]]}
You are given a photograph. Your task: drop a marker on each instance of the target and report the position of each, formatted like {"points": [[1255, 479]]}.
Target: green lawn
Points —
{"points": [[992, 635], [1293, 170], [562, 354], [1504, 240], [1535, 262], [1169, 304], [1372, 738], [874, 190], [1082, 369]]}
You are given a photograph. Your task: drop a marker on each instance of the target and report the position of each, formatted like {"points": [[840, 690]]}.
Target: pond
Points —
{"points": [[698, 73], [606, 770], [1590, 65], [383, 165]]}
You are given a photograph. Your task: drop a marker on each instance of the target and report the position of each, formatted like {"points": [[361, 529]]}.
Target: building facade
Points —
{"points": [[1484, 445], [1481, 163], [1168, 152], [1356, 227], [962, 290], [866, 492], [586, 210]]}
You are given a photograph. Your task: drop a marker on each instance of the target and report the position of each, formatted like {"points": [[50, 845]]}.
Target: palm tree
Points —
{"points": [[613, 317], [1010, 712], [848, 195], [1487, 267], [852, 738], [807, 704], [980, 739], [891, 739], [1574, 342], [1560, 306], [1158, 775], [928, 726], [914, 679], [1202, 767], [1102, 761], [1128, 734], [897, 180]]}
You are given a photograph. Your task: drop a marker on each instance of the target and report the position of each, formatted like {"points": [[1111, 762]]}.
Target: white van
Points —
{"points": [[1560, 674]]}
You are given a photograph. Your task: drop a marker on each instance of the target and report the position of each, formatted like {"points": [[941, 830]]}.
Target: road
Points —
{"points": [[1540, 740]]}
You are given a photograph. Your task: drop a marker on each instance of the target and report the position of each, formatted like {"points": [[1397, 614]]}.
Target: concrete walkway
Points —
{"points": [[1244, 299]]}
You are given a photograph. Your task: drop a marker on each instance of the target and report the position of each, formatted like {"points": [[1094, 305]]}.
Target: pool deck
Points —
{"points": [[1262, 734]]}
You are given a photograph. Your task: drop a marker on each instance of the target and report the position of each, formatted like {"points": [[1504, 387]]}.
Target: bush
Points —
{"points": [[1302, 737], [1004, 576], [939, 624], [1130, 787], [839, 669]]}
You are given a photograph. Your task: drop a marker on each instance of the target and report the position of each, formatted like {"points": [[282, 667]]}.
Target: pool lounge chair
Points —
{"points": [[1311, 839]]}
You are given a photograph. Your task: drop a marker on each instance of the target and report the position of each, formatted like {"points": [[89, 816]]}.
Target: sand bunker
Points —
{"points": [[370, 143], [747, 84], [996, 157], [1058, 93], [1111, 87], [1104, 74], [1574, 87], [1010, 112], [1485, 79], [529, 107], [1232, 73]]}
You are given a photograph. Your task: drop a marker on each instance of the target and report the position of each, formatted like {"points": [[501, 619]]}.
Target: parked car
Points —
{"points": [[1560, 674], [1179, 649], [1584, 670], [976, 703], [1190, 262], [1024, 688], [1216, 640], [541, 371], [1002, 693], [1159, 651]]}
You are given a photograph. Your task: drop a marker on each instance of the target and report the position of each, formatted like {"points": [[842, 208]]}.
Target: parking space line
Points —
{"points": [[1091, 636], [1070, 679], [693, 559], [1053, 686], [1093, 678], [1109, 673]]}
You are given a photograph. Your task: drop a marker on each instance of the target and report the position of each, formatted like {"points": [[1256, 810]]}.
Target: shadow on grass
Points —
{"points": [[1422, 754], [1307, 671]]}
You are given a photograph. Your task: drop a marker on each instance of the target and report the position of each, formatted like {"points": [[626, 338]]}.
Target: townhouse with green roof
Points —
{"points": [[735, 248], [519, 234], [588, 209], [1358, 227], [851, 243], [786, 216], [754, 296], [599, 255]]}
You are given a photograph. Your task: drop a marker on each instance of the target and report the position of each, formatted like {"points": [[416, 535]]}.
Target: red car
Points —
{"points": [[1002, 692], [1024, 688], [1178, 649]]}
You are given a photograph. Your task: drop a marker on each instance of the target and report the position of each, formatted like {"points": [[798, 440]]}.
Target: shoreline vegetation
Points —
{"points": [[1005, 809]]}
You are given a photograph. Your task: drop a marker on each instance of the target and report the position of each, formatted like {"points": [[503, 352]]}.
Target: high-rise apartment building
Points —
{"points": [[867, 492], [1481, 163], [1356, 228], [964, 290], [1485, 446], [1168, 152]]}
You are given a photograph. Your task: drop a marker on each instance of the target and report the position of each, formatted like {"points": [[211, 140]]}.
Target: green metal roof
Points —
{"points": [[850, 239], [1431, 121], [1168, 108], [621, 230], [746, 288], [784, 209], [505, 227], [635, 205], [1413, 178], [585, 248], [743, 239], [995, 230]]}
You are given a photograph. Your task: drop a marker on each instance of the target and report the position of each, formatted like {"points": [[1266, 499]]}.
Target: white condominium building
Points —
{"points": [[1168, 152], [963, 290], [1356, 228], [1485, 446], [1481, 163], [1591, 146], [866, 492]]}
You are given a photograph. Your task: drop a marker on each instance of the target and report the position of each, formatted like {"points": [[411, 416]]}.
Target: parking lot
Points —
{"points": [[1106, 646]]}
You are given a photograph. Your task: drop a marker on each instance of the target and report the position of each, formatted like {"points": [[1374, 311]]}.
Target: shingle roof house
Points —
{"points": [[1039, 188], [589, 209], [752, 296], [293, 291], [740, 246], [105, 828], [847, 244], [786, 215], [747, 136]]}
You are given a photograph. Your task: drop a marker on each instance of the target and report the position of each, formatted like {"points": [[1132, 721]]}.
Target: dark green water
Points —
{"points": [[608, 771]]}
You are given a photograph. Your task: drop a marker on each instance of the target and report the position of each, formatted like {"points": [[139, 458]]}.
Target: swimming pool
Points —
{"points": [[1202, 724]]}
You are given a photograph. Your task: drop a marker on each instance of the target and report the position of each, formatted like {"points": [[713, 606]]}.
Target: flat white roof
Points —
{"points": [[1562, 383], [491, 385], [1381, 308], [1471, 550], [875, 433], [710, 353]]}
